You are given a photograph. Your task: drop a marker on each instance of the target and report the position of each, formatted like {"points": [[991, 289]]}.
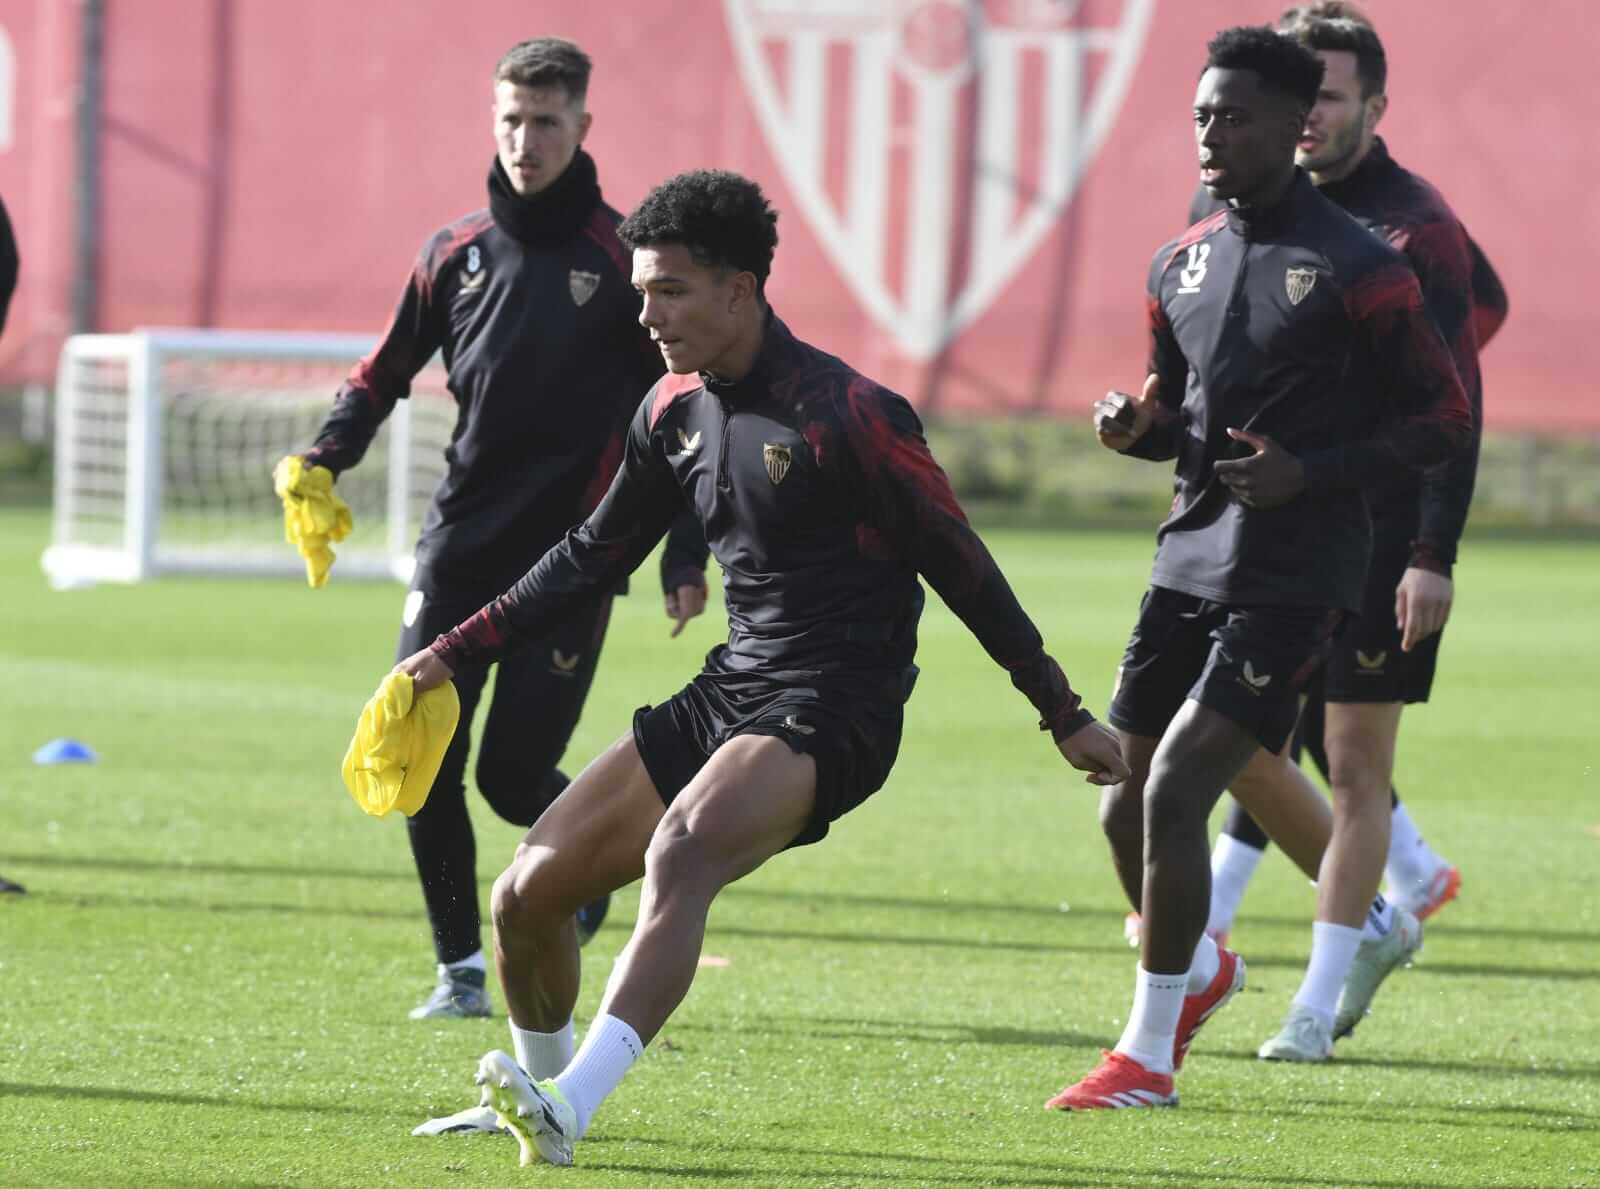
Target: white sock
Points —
{"points": [[1411, 861], [1207, 961], [1380, 919], [473, 961], [1232, 865], [542, 1054], [1333, 948], [1153, 1023], [610, 1048]]}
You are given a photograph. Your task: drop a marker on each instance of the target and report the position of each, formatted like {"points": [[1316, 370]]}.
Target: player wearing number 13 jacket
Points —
{"points": [[1294, 323]]}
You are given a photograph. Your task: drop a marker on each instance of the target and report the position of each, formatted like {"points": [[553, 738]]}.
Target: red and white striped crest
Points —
{"points": [[932, 144]]}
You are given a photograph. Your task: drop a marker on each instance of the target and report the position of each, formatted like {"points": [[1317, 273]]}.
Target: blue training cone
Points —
{"points": [[65, 751]]}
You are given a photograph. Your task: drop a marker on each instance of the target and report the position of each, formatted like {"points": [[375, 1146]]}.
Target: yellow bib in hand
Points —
{"points": [[399, 744], [313, 513]]}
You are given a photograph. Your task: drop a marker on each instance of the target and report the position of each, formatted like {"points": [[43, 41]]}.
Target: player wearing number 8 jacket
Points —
{"points": [[529, 304]]}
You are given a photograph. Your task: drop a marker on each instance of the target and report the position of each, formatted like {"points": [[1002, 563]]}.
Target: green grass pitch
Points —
{"points": [[207, 984]]}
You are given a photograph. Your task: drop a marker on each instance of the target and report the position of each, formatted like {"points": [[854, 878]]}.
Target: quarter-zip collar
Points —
{"points": [[769, 365], [1253, 223]]}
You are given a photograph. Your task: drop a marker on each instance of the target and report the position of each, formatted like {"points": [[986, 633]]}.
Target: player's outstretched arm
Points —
{"points": [[905, 495]]}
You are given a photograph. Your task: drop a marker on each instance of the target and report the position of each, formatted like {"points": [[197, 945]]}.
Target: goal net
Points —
{"points": [[165, 442]]}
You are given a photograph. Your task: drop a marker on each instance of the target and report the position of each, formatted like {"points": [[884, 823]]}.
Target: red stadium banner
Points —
{"points": [[970, 192]]}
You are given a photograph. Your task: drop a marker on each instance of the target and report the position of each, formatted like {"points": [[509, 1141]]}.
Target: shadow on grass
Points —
{"points": [[811, 898], [1443, 928], [1504, 1116], [1512, 933], [756, 1174], [899, 1168], [1259, 960], [939, 904], [135, 866], [183, 867], [901, 1031], [1570, 1071], [1518, 971], [116, 1094], [861, 1030], [221, 907], [718, 931]]}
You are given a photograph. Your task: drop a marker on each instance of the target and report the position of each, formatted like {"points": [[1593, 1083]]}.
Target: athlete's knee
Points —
{"points": [[677, 851], [529, 891], [1122, 813], [1122, 805], [686, 855], [1357, 768]]}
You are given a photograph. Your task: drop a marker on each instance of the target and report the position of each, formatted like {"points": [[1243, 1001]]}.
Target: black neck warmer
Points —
{"points": [[554, 213]]}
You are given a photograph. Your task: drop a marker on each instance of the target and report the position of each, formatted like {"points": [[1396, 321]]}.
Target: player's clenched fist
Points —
{"points": [[1096, 750], [1121, 420], [425, 669]]}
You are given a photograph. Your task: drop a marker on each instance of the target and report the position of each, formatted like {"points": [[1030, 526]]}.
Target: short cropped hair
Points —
{"points": [[1372, 65], [1283, 65], [723, 219], [1323, 10], [546, 62]]}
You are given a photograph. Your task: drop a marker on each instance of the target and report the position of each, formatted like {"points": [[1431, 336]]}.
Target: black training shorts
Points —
{"points": [[1366, 664], [1249, 664], [851, 729]]}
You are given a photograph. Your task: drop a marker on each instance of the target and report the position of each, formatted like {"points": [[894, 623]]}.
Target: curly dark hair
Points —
{"points": [[1351, 37], [1283, 65], [723, 219]]}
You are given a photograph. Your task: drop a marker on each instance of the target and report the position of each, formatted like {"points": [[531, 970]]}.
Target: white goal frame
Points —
{"points": [[111, 442]]}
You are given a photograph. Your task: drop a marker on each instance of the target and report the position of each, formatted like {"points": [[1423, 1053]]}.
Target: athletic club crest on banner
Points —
{"points": [[933, 144]]}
